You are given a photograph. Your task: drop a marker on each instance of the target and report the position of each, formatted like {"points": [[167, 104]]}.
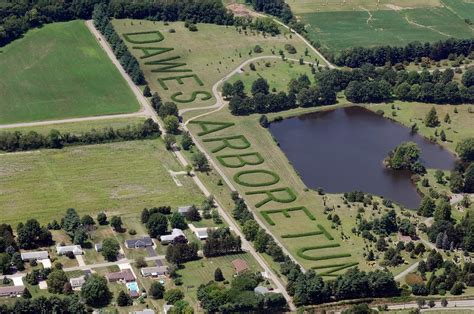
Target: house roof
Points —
{"points": [[154, 270], [34, 255], [125, 274], [69, 248], [98, 246], [261, 290], [78, 281], [201, 233], [170, 237], [184, 209], [145, 311], [145, 241], [9, 290], [240, 265]]}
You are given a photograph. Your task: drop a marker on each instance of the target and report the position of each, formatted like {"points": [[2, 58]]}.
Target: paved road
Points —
{"points": [[151, 113]]}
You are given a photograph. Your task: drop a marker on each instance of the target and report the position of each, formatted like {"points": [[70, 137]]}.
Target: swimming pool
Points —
{"points": [[132, 286]]}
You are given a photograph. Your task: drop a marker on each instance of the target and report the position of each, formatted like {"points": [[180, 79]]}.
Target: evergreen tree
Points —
{"points": [[123, 299], [218, 276], [431, 118], [146, 91]]}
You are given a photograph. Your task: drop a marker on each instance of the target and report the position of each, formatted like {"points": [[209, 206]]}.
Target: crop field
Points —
{"points": [[60, 71], [117, 178], [208, 55], [360, 23], [412, 112]]}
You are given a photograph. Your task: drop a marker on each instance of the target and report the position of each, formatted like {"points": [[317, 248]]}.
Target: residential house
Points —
{"points": [[156, 271], [165, 239], [139, 243], [11, 291], [77, 282], [240, 265], [261, 290], [37, 255], [75, 249], [125, 275], [183, 210]]}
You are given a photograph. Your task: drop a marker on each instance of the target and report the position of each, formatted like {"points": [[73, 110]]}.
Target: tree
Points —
{"points": [[260, 86], [157, 225], [145, 215], [170, 140], [431, 118], [4, 263], [465, 149], [439, 175], [442, 211], [123, 299], [116, 223], [239, 89], [80, 236], [87, 221], [140, 262], [177, 221], [218, 276], [456, 182], [17, 261], [406, 156], [95, 291], [146, 91], [447, 118], [156, 101], [468, 77], [171, 124], [250, 229], [442, 136], [227, 90], [71, 222], [193, 214], [469, 179], [420, 302], [168, 109], [457, 288], [102, 219], [427, 207], [173, 295], [444, 302], [110, 249], [26, 294], [56, 280], [156, 290], [186, 141], [67, 288], [200, 161]]}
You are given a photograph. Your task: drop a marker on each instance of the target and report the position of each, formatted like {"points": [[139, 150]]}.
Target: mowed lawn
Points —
{"points": [[60, 71], [210, 53], [344, 29], [120, 178]]}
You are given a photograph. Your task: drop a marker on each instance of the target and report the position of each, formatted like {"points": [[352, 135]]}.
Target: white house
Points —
{"points": [[76, 249], [165, 239], [201, 233], [37, 255], [183, 210]]}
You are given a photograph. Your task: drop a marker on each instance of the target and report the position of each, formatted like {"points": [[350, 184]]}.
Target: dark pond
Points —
{"points": [[342, 150]]}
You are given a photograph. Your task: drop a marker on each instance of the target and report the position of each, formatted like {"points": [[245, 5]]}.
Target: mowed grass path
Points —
{"points": [[344, 29], [119, 178], [60, 71]]}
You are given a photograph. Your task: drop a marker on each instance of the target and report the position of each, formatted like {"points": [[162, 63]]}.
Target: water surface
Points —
{"points": [[342, 150]]}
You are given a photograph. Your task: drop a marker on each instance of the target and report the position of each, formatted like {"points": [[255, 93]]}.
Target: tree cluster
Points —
{"points": [[52, 304], [32, 235], [240, 297], [406, 156], [356, 56], [180, 251], [276, 8], [221, 242], [18, 141]]}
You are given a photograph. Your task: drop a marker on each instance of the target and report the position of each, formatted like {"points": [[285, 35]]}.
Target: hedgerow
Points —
{"points": [[301, 251], [301, 235], [271, 197], [127, 37], [226, 142], [179, 79], [285, 212], [243, 162], [206, 130], [193, 97], [325, 232], [276, 178], [335, 268]]}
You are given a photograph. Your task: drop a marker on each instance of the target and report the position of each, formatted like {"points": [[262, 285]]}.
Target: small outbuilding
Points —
{"points": [[240, 265], [77, 282]]}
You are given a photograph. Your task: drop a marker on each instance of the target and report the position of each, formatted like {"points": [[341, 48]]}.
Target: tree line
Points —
{"points": [[19, 141], [357, 56], [120, 49], [17, 17]]}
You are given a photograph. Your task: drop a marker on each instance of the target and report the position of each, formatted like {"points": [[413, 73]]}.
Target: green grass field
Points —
{"points": [[120, 178], [60, 71], [278, 73], [211, 53], [341, 24], [412, 112]]}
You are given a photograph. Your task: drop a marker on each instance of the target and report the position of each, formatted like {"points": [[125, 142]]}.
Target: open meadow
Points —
{"points": [[209, 53], [342, 24], [119, 178], [59, 71]]}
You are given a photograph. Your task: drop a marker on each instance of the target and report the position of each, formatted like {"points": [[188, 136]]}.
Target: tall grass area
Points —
{"points": [[60, 71], [117, 178]]}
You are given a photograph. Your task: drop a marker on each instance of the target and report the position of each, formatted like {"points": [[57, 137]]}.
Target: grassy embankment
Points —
{"points": [[59, 71]]}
